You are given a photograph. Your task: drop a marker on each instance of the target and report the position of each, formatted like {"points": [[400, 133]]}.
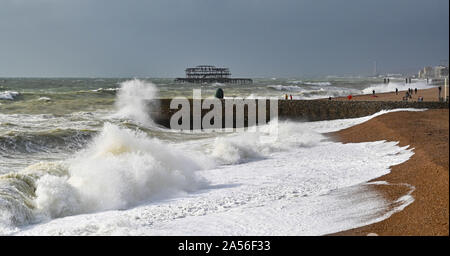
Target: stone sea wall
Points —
{"points": [[300, 110]]}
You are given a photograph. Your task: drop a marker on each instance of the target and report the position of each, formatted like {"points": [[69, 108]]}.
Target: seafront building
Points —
{"points": [[439, 72]]}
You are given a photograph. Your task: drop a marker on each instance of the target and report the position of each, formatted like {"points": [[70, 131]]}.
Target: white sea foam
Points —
{"points": [[246, 146], [46, 99], [8, 95], [217, 84], [339, 124], [290, 88], [236, 149], [244, 180], [317, 83], [106, 90], [310, 83], [119, 169], [304, 191], [132, 98], [45, 122]]}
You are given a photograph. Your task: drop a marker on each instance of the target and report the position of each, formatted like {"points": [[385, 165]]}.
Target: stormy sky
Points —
{"points": [[255, 38]]}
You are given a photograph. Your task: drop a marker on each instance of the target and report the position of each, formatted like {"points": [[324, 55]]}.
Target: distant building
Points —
{"points": [[420, 74], [428, 72], [433, 72], [440, 72]]}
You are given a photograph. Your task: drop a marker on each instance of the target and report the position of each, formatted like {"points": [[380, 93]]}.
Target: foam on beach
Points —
{"points": [[313, 198], [119, 169], [293, 176], [126, 180]]}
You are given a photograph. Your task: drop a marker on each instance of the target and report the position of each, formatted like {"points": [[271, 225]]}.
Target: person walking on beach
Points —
{"points": [[286, 96], [373, 92], [290, 96], [396, 91], [415, 91], [440, 89]]}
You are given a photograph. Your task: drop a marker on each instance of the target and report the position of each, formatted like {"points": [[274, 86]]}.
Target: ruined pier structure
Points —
{"points": [[211, 74]]}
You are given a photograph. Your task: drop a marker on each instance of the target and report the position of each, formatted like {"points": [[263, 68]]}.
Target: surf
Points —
{"points": [[126, 167]]}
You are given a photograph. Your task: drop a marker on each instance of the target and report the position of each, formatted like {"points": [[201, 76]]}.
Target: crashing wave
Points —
{"points": [[318, 83], [311, 83], [8, 95], [106, 90], [44, 141], [46, 99], [290, 88], [132, 101], [121, 168]]}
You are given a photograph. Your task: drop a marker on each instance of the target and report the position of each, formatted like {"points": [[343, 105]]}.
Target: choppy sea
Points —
{"points": [[82, 157]]}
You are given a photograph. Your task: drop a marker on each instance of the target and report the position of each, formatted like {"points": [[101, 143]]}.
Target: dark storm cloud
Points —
{"points": [[253, 37]]}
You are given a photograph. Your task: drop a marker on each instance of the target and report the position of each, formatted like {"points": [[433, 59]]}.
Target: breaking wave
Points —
{"points": [[318, 83], [119, 169], [289, 88], [8, 95], [45, 141], [106, 90], [132, 101], [311, 83], [46, 99]]}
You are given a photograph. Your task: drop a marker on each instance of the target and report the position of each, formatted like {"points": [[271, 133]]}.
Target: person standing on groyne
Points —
{"points": [[219, 93]]}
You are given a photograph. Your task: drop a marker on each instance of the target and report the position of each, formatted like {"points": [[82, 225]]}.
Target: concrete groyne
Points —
{"points": [[299, 110]]}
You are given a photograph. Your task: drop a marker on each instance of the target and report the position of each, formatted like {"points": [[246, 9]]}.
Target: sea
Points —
{"points": [[81, 156]]}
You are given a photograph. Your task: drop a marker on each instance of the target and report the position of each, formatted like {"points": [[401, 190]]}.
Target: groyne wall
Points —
{"points": [[299, 110]]}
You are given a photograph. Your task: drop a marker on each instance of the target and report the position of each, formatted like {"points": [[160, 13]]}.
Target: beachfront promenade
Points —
{"points": [[431, 94]]}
